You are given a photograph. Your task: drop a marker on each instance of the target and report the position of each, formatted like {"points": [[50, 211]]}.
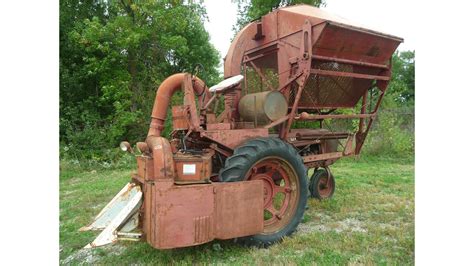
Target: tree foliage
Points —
{"points": [[393, 132], [113, 56], [402, 84]]}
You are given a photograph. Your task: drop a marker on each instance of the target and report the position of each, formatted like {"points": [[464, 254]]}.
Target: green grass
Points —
{"points": [[370, 220]]}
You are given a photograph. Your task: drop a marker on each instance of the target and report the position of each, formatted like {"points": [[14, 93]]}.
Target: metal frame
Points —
{"points": [[298, 73], [182, 206]]}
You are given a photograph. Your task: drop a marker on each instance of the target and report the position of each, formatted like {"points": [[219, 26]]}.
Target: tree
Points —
{"points": [[249, 10], [114, 55], [402, 84]]}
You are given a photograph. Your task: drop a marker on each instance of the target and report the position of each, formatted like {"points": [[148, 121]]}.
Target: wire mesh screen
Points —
{"points": [[261, 74], [256, 83], [333, 91]]}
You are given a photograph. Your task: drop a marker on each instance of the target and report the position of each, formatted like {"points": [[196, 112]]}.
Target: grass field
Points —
{"points": [[370, 220]]}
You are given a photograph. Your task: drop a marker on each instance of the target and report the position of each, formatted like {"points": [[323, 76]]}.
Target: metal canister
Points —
{"points": [[263, 107]]}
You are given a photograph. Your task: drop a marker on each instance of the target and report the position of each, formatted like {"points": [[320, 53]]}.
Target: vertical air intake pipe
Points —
{"points": [[163, 96]]}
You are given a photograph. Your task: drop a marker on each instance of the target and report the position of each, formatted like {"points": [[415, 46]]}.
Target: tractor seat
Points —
{"points": [[226, 84]]}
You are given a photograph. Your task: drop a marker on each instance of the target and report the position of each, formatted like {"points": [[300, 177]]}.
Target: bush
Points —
{"points": [[392, 134], [73, 158]]}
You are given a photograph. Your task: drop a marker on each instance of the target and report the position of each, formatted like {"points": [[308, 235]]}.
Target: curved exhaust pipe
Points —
{"points": [[160, 148], [163, 96]]}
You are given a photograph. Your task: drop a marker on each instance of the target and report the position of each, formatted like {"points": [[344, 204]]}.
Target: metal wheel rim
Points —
{"points": [[324, 187], [279, 178]]}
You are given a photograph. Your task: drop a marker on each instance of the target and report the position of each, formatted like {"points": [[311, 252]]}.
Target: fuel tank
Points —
{"points": [[263, 107]]}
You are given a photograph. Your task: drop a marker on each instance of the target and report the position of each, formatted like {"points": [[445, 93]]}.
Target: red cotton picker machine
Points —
{"points": [[242, 172]]}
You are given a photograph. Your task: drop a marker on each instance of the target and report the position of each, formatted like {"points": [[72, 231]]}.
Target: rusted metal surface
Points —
{"points": [[299, 65], [306, 116], [322, 157], [291, 115], [347, 74], [324, 135], [324, 185], [235, 137], [181, 216], [218, 126], [224, 152], [195, 214], [143, 147], [163, 96], [145, 167], [180, 117], [280, 193], [343, 54], [233, 215], [193, 167], [163, 164], [190, 101], [283, 23], [351, 62], [277, 122], [349, 148]]}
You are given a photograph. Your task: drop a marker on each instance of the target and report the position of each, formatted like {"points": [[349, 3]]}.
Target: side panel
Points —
{"points": [[188, 215], [239, 209], [184, 216], [145, 168]]}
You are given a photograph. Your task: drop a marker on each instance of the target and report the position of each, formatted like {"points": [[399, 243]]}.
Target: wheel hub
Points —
{"points": [[268, 188], [279, 189], [324, 187], [322, 184]]}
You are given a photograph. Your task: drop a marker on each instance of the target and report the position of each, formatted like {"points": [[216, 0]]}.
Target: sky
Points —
{"points": [[388, 16]]}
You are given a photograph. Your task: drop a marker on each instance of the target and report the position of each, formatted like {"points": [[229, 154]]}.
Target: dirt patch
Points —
{"points": [[91, 256], [82, 255], [385, 226], [312, 227], [349, 224]]}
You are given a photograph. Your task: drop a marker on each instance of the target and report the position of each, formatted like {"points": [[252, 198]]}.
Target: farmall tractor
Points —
{"points": [[242, 172]]}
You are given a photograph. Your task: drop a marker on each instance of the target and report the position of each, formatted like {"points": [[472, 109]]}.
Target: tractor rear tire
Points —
{"points": [[284, 175]]}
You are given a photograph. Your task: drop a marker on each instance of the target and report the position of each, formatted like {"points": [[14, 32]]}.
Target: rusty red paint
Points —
{"points": [[235, 137], [322, 63], [193, 167], [279, 194], [188, 215], [179, 115]]}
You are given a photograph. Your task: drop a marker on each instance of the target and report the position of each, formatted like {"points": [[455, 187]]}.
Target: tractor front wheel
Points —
{"points": [[322, 184], [283, 173]]}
